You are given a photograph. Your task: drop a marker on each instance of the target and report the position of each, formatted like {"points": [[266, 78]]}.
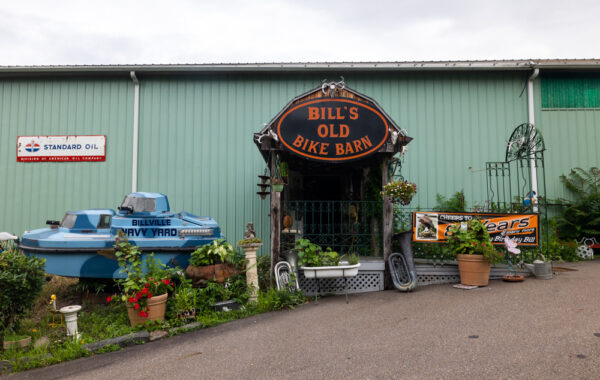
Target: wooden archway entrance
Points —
{"points": [[332, 146]]}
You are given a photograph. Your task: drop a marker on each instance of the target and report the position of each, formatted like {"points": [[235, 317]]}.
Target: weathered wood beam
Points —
{"points": [[388, 225], [275, 223]]}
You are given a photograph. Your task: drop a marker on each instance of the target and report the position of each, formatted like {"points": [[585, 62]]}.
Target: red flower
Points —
{"points": [[143, 313], [145, 290], [149, 295], [167, 281], [147, 285], [138, 294], [134, 299], [108, 299], [473, 243], [136, 306], [131, 300]]}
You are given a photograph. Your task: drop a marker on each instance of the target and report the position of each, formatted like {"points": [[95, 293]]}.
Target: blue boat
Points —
{"points": [[82, 244]]}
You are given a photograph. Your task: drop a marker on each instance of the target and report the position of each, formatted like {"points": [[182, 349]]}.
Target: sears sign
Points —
{"points": [[61, 148]]}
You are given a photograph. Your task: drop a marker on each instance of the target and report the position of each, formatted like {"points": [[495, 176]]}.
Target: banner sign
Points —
{"points": [[61, 148], [332, 129], [432, 227]]}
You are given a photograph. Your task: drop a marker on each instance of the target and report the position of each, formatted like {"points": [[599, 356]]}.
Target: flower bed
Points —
{"points": [[98, 322]]}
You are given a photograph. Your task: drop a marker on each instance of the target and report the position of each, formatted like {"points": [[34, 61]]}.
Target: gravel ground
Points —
{"points": [[537, 329]]}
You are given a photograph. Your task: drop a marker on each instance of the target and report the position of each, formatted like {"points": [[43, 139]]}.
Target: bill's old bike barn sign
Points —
{"points": [[332, 129]]}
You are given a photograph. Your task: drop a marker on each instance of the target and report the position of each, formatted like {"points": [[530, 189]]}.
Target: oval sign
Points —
{"points": [[332, 129]]}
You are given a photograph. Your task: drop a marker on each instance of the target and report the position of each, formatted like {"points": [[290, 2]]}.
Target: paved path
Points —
{"points": [[538, 329]]}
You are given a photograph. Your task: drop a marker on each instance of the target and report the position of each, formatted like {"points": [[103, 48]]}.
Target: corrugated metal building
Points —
{"points": [[196, 125]]}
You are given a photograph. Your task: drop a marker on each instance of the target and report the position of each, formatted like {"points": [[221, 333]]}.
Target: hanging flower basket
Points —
{"points": [[400, 191]]}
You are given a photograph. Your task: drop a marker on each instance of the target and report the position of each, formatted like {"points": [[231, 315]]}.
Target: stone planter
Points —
{"points": [[156, 310], [217, 272], [473, 269]]}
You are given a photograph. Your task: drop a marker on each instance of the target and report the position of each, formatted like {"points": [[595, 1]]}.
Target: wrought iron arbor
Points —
{"points": [[518, 184]]}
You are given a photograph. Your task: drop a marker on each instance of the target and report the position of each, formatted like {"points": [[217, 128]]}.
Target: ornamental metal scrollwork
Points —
{"points": [[525, 142], [331, 88]]}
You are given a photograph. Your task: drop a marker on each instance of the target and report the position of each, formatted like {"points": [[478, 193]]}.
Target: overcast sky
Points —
{"points": [[48, 32]]}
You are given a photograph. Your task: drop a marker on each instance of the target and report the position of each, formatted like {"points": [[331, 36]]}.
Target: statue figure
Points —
{"points": [[249, 234]]}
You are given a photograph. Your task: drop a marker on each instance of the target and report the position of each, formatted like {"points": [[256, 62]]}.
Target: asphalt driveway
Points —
{"points": [[537, 329]]}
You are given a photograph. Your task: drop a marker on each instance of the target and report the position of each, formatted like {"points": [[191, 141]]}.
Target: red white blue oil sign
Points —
{"points": [[61, 148]]}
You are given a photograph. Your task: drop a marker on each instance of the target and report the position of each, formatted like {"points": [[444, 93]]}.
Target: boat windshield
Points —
{"points": [[68, 221], [104, 221], [139, 204]]}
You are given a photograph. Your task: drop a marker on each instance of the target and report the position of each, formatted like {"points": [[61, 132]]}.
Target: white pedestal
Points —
{"points": [[251, 270]]}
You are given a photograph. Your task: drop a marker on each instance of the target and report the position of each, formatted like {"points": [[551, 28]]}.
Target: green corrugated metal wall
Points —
{"points": [[196, 138], [571, 137], [33, 192]]}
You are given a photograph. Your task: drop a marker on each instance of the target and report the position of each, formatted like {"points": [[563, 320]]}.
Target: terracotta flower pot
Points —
{"points": [[473, 269], [156, 310]]}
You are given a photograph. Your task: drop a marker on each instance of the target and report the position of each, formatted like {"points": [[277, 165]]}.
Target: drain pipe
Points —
{"points": [[531, 119], [136, 124]]}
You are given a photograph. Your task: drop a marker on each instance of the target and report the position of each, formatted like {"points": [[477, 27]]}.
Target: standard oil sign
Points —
{"points": [[61, 148], [333, 130]]}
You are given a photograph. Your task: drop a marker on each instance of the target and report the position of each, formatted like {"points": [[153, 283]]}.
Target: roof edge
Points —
{"points": [[310, 66]]}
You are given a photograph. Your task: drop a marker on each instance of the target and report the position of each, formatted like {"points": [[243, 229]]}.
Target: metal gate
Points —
{"points": [[345, 226]]}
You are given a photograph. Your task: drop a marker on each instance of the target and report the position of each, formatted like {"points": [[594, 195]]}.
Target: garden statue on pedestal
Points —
{"points": [[250, 244]]}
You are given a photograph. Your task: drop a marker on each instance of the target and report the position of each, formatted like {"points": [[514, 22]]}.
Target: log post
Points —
{"points": [[388, 225], [275, 223]]}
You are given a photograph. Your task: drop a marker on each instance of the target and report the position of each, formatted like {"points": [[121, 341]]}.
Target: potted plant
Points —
{"points": [[277, 184], [144, 292], [511, 249], [283, 170], [319, 263], [212, 262], [471, 243], [400, 191]]}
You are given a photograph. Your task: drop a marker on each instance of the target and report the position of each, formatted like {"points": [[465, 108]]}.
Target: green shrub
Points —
{"points": [[274, 299], [312, 255], [456, 203], [21, 281], [581, 218], [219, 251], [235, 289], [263, 266]]}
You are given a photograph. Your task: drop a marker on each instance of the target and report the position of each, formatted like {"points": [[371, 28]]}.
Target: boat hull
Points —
{"points": [[101, 263], [82, 244]]}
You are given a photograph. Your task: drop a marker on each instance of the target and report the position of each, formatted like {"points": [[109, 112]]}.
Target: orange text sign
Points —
{"points": [[432, 227]]}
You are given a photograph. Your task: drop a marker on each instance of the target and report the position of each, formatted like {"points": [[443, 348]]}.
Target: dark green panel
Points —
{"points": [[570, 90]]}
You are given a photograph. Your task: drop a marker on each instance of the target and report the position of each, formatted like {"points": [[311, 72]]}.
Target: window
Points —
{"points": [[570, 91], [68, 221], [104, 221], [139, 204]]}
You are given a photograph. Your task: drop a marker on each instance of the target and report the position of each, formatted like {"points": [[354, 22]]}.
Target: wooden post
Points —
{"points": [[388, 225], [275, 223]]}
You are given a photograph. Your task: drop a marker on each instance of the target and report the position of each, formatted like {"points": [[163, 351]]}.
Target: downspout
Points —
{"points": [[531, 119], [136, 124]]}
